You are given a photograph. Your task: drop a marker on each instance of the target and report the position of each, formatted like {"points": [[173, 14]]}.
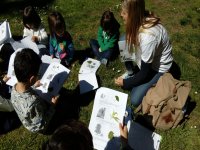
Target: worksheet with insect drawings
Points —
{"points": [[89, 66], [52, 80], [87, 75], [108, 111]]}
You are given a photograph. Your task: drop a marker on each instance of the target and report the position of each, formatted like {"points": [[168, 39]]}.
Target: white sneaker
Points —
{"points": [[104, 61], [126, 75]]}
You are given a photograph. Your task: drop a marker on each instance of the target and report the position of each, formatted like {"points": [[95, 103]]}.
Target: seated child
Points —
{"points": [[60, 44], [73, 135], [107, 38], [34, 112], [34, 28]]}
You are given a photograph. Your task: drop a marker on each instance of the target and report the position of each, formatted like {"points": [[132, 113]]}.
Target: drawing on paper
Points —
{"points": [[117, 98], [44, 85], [110, 135], [98, 129], [90, 64], [115, 116], [101, 113], [49, 77], [103, 96]]}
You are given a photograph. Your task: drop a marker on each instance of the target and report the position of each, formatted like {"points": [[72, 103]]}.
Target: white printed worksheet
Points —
{"points": [[87, 75], [52, 80], [108, 111]]}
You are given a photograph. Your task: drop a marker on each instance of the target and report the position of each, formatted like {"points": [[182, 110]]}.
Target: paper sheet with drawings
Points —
{"points": [[46, 60], [87, 75], [125, 55], [52, 80], [108, 110], [89, 66]]}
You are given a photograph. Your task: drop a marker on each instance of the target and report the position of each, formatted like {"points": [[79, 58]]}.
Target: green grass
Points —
{"points": [[182, 20]]}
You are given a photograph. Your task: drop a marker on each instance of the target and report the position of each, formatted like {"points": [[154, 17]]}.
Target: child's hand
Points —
{"points": [[123, 131], [34, 39], [54, 100], [37, 84], [5, 78], [119, 81], [52, 56], [62, 46]]}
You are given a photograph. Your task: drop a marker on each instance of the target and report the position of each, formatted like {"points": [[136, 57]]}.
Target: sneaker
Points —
{"points": [[104, 61], [126, 75]]}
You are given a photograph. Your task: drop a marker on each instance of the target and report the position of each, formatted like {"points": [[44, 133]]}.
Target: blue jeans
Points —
{"points": [[140, 91], [100, 55]]}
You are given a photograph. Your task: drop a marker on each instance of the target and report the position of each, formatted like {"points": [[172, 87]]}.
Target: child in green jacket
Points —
{"points": [[107, 38]]}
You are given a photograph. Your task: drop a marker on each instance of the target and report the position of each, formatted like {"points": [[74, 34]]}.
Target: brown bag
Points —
{"points": [[163, 104]]}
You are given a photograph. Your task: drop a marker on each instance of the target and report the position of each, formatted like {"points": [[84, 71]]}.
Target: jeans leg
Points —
{"points": [[140, 91], [95, 48], [106, 54]]}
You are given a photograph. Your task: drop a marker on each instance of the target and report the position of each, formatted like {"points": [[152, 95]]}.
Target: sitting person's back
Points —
{"points": [[34, 113]]}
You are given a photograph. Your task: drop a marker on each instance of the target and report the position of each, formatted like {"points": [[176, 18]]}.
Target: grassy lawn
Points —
{"points": [[182, 20]]}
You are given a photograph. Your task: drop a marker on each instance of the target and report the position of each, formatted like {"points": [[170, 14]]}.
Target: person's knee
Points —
{"points": [[135, 102], [91, 42], [137, 97]]}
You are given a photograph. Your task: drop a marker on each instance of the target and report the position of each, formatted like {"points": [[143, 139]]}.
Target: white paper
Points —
{"points": [[125, 55], [5, 33], [89, 66], [87, 75], [52, 80], [11, 73], [25, 43], [87, 82], [108, 111]]}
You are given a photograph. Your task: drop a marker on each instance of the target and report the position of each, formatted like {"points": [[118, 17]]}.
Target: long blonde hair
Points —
{"points": [[137, 20]]}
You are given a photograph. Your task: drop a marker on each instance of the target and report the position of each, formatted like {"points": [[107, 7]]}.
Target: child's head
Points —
{"points": [[31, 19], [108, 21], [26, 65], [56, 24], [71, 136]]}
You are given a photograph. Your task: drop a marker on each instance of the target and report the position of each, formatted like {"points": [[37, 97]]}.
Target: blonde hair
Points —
{"points": [[137, 20]]}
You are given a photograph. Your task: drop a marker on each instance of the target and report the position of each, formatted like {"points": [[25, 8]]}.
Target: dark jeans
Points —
{"points": [[100, 55], [138, 92]]}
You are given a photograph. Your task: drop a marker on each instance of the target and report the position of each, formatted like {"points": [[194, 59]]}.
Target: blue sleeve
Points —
{"points": [[139, 78]]}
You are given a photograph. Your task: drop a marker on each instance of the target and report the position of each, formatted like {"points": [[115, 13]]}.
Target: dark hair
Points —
{"points": [[31, 17], [26, 64], [108, 22], [74, 135], [56, 23]]}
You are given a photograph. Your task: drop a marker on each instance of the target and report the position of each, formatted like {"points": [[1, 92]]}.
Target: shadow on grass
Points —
{"points": [[9, 122], [12, 5], [68, 106], [175, 70]]}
